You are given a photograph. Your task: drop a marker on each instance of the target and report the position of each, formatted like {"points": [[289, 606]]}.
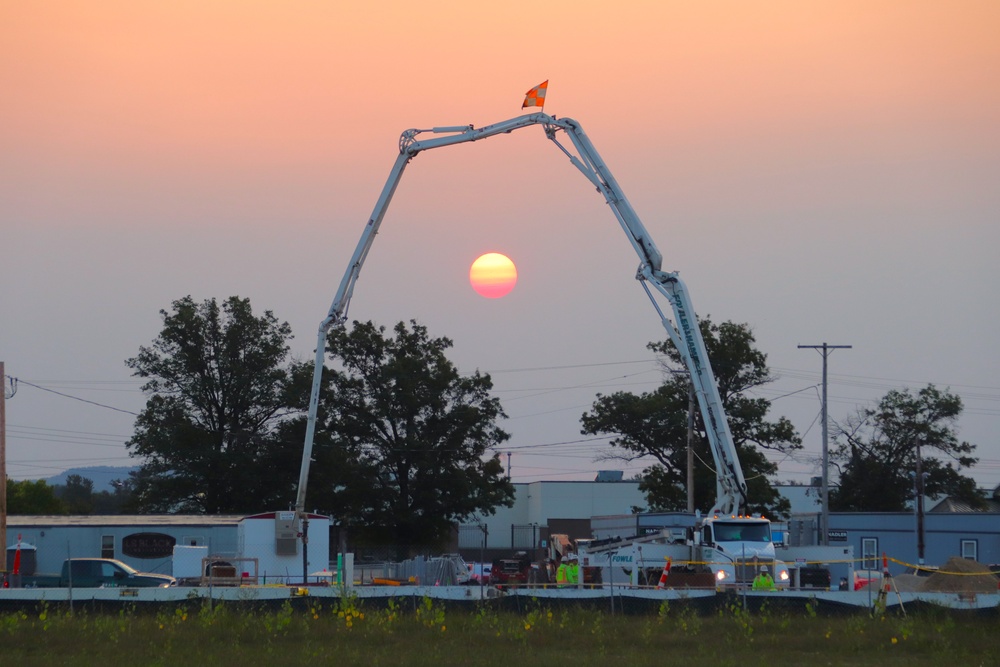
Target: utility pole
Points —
{"points": [[825, 527], [3, 467], [690, 439], [919, 478], [690, 451]]}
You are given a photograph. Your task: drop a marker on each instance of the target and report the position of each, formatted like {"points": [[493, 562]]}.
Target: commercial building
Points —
{"points": [[542, 509]]}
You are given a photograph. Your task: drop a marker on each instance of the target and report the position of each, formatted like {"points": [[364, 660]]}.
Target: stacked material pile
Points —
{"points": [[909, 583], [960, 575]]}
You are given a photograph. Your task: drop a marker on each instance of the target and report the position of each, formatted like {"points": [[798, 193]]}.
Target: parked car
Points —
{"points": [[870, 578]]}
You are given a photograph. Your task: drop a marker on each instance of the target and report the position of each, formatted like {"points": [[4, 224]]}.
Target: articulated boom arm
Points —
{"points": [[686, 336], [731, 486]]}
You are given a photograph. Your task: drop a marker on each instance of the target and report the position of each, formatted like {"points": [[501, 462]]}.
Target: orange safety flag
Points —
{"points": [[536, 96]]}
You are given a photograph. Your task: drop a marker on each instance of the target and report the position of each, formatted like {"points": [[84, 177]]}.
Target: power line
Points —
{"points": [[62, 430], [77, 398], [36, 463], [565, 449], [873, 382], [70, 442], [792, 393], [568, 366], [612, 381], [554, 444]]}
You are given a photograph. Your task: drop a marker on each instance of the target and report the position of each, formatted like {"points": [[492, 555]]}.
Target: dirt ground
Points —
{"points": [[958, 575]]}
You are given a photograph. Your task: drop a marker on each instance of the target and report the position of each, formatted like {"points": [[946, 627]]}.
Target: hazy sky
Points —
{"points": [[824, 171]]}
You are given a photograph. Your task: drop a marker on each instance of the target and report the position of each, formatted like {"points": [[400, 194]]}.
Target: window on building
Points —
{"points": [[970, 549], [869, 553], [107, 546]]}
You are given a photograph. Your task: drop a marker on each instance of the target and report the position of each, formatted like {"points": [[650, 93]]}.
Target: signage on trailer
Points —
{"points": [[148, 545]]}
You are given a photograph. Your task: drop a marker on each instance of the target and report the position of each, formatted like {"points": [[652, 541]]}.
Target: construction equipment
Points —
{"points": [[683, 331], [718, 551], [514, 571]]}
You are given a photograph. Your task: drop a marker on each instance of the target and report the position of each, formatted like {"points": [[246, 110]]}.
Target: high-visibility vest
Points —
{"points": [[562, 574], [573, 574]]}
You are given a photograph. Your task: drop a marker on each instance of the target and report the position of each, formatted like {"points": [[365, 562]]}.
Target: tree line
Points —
{"points": [[77, 496], [874, 455], [406, 446]]}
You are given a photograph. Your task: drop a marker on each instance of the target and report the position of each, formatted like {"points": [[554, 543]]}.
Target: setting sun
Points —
{"points": [[493, 275]]}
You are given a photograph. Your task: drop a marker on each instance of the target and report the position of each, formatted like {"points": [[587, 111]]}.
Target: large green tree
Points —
{"points": [[32, 497], [79, 497], [78, 494], [654, 424], [405, 444], [876, 450], [216, 379]]}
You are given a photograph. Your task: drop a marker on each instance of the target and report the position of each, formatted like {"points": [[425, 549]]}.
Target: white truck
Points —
{"points": [[719, 551], [713, 541]]}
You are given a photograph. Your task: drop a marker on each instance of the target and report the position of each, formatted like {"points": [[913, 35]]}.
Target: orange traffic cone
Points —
{"points": [[664, 575]]}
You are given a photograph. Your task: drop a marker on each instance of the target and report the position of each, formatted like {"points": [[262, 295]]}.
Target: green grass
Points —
{"points": [[427, 634]]}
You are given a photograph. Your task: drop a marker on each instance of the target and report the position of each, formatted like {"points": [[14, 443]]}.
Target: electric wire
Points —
{"points": [[77, 398], [968, 392]]}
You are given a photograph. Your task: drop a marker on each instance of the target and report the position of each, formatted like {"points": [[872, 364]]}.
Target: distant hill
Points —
{"points": [[101, 476]]}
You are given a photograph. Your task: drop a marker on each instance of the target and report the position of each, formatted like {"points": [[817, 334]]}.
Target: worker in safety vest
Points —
{"points": [[562, 573], [763, 580], [573, 571]]}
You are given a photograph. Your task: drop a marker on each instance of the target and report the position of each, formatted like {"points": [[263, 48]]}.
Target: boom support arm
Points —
{"points": [[686, 336]]}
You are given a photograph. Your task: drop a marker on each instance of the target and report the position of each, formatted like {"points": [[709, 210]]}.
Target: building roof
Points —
{"points": [[956, 506], [62, 520]]}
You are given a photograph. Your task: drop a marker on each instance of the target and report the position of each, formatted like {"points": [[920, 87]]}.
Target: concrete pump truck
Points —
{"points": [[729, 544]]}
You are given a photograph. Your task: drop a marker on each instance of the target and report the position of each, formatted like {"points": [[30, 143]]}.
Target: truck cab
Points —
{"points": [[735, 547], [511, 571]]}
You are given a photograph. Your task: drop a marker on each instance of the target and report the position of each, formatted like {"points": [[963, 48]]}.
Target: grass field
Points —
{"points": [[425, 633]]}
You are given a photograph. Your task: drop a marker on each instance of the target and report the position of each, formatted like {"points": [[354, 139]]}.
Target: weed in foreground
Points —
{"points": [[349, 633]]}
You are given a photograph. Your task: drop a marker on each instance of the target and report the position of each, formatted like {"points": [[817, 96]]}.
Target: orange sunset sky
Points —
{"points": [[825, 171]]}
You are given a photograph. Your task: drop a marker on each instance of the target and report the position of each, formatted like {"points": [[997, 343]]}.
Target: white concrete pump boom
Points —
{"points": [[683, 332]]}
